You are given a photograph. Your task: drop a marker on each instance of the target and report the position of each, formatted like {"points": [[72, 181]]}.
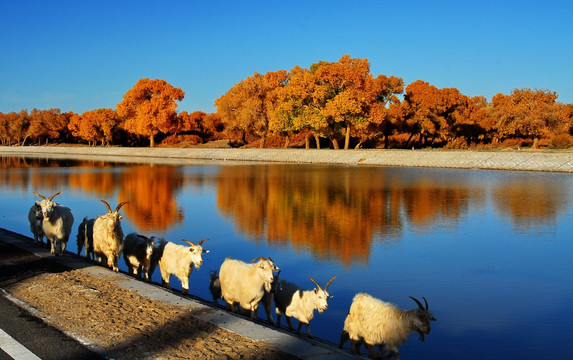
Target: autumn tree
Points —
{"points": [[213, 127], [477, 125], [82, 129], [150, 108], [298, 106], [95, 126], [330, 99], [383, 109], [191, 122], [569, 118], [345, 95], [47, 124], [528, 114], [248, 106], [13, 126], [434, 113]]}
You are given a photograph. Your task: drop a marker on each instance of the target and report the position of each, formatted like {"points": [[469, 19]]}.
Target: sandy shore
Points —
{"points": [[543, 160]]}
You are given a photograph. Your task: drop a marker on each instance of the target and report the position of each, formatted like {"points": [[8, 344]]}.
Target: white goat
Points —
{"points": [[85, 238], [178, 260], [57, 223], [267, 300], [137, 251], [244, 284], [36, 219], [377, 323], [108, 236], [293, 301]]}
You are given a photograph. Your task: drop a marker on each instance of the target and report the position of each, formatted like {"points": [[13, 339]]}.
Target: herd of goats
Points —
{"points": [[242, 286]]}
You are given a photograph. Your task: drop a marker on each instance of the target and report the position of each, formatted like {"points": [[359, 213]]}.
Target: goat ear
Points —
{"points": [[316, 291]]}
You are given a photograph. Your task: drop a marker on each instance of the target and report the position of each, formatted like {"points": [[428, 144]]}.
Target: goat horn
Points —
{"points": [[120, 205], [42, 196], [106, 205], [425, 302], [259, 258], [189, 242], [329, 281], [53, 196], [311, 279], [417, 302], [202, 241]]}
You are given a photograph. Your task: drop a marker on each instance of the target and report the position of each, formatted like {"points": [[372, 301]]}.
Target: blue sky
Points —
{"points": [[85, 55]]}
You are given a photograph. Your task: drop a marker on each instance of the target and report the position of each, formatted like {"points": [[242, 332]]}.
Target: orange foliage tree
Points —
{"points": [[13, 126], [248, 106], [298, 106], [435, 113], [331, 99], [528, 114], [149, 108], [48, 124], [384, 109], [345, 96], [95, 126]]}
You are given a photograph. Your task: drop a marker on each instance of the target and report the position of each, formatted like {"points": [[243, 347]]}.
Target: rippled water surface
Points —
{"points": [[491, 251]]}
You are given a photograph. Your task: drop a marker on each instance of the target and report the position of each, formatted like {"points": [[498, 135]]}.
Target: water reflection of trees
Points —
{"points": [[428, 202], [336, 212], [151, 192], [149, 189], [531, 202]]}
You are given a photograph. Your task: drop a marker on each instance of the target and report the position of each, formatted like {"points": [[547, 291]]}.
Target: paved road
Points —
{"points": [[46, 347], [23, 336], [559, 161]]}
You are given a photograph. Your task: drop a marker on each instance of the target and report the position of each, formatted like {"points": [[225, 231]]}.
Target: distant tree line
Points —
{"points": [[326, 105]]}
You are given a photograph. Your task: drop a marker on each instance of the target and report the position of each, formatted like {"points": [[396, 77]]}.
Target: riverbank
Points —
{"points": [[521, 160], [120, 317]]}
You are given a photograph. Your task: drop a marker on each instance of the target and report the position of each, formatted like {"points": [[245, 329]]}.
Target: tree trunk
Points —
{"points": [[317, 139], [409, 139], [335, 144], [535, 140], [347, 137], [307, 141], [151, 141], [287, 142], [263, 141]]}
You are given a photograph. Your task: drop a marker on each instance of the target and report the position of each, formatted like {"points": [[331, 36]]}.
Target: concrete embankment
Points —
{"points": [[543, 160]]}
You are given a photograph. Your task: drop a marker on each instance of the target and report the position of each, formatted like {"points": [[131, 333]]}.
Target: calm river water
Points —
{"points": [[491, 251]]}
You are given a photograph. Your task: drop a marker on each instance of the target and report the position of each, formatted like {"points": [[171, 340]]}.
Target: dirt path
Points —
{"points": [[118, 322]]}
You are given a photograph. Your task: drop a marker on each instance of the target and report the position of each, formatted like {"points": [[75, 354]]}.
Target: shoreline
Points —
{"points": [[518, 160]]}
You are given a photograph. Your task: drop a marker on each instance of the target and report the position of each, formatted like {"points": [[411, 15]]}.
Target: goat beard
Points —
{"points": [[421, 338]]}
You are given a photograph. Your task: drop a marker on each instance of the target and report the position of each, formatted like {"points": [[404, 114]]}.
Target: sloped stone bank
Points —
{"points": [[528, 160]]}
